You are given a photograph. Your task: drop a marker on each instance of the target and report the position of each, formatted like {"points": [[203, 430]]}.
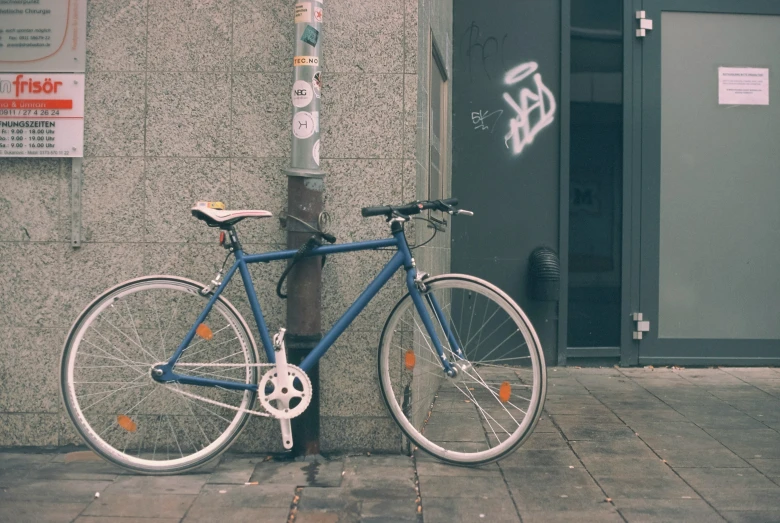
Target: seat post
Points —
{"points": [[235, 244]]}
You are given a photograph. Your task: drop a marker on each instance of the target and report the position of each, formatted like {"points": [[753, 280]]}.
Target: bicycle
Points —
{"points": [[159, 374]]}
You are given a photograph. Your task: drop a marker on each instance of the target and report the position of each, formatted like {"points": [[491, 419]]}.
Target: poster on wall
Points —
{"points": [[41, 114], [743, 86], [43, 35]]}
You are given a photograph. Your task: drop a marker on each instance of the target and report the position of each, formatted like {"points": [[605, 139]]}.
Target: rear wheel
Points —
{"points": [[493, 403], [131, 419]]}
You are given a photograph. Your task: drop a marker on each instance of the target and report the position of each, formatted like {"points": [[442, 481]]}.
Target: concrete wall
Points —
{"points": [[190, 100]]}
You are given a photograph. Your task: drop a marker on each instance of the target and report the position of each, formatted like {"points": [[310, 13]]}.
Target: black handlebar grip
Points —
{"points": [[375, 211], [450, 201]]}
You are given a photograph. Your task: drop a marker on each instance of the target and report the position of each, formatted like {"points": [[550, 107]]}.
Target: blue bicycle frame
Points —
{"points": [[402, 258]]}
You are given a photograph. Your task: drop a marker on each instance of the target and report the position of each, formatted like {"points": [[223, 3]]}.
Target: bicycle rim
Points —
{"points": [[129, 418], [493, 403]]}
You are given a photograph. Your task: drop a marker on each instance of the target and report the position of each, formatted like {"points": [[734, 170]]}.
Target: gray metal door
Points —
{"points": [[710, 178]]}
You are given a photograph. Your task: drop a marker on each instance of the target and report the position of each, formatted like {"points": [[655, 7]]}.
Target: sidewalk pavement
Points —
{"points": [[640, 445]]}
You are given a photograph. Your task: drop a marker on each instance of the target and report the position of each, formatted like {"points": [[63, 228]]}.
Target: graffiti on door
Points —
{"points": [[534, 106]]}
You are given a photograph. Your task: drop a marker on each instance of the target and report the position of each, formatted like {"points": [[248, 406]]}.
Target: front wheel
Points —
{"points": [[494, 400], [121, 411]]}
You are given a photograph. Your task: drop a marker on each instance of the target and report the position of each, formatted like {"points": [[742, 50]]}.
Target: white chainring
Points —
{"points": [[282, 396]]}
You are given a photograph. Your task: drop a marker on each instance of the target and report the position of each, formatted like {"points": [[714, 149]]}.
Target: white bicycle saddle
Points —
{"points": [[215, 214]]}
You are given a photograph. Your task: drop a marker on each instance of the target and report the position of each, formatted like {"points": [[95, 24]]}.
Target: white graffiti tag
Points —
{"points": [[480, 120], [529, 103]]}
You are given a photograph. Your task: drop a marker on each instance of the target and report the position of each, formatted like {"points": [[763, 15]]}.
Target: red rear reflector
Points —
{"points": [[222, 237]]}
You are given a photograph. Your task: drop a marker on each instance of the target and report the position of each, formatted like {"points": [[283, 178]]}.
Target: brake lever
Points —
{"points": [[464, 212]]}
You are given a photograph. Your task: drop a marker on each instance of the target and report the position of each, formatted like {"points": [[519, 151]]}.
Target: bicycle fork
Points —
{"points": [[420, 296]]}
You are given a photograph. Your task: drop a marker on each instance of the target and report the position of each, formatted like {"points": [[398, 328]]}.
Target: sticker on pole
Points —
{"points": [[310, 36], [303, 13], [303, 125], [315, 115], [318, 15], [301, 93], [299, 61], [315, 152], [316, 83]]}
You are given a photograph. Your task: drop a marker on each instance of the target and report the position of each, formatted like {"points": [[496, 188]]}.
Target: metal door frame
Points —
{"points": [[646, 166]]}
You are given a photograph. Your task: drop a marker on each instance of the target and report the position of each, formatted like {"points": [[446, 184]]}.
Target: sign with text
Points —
{"points": [[43, 35], [41, 114], [743, 86]]}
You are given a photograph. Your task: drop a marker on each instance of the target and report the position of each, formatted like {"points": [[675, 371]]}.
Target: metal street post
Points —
{"points": [[305, 185]]}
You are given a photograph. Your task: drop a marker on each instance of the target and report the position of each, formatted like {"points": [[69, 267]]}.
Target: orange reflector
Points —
{"points": [[504, 392], [222, 237], [410, 359], [126, 423], [204, 332]]}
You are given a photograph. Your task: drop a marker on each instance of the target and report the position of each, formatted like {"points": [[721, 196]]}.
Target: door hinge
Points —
{"points": [[644, 24], [640, 325]]}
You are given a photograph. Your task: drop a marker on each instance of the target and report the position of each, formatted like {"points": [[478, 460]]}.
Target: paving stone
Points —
{"points": [[540, 479], [100, 519], [693, 457], [546, 441], [605, 515], [474, 487], [668, 486], [390, 509], [47, 491], [26, 512], [319, 473], [232, 515], [88, 471], [664, 510], [715, 478], [140, 505], [234, 471], [627, 448], [360, 475], [541, 458], [431, 468], [770, 467], [242, 503], [604, 466], [743, 499], [459, 510], [330, 499], [180, 484], [551, 498], [751, 516], [310, 516]]}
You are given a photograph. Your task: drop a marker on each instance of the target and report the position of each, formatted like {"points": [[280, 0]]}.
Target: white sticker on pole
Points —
{"points": [[301, 93], [315, 115], [315, 152], [41, 114], [303, 125], [303, 13], [318, 15]]}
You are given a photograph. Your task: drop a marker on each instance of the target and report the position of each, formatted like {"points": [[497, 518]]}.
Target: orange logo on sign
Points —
{"points": [[34, 86]]}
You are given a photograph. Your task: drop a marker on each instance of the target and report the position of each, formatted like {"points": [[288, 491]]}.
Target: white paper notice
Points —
{"points": [[743, 86]]}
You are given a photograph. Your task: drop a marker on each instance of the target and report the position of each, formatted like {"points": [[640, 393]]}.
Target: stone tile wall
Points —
{"points": [[189, 100]]}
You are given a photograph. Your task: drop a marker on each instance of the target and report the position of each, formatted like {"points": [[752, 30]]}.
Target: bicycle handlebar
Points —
{"points": [[445, 204]]}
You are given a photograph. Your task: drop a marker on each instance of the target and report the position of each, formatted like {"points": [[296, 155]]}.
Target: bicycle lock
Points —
{"points": [[305, 186]]}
